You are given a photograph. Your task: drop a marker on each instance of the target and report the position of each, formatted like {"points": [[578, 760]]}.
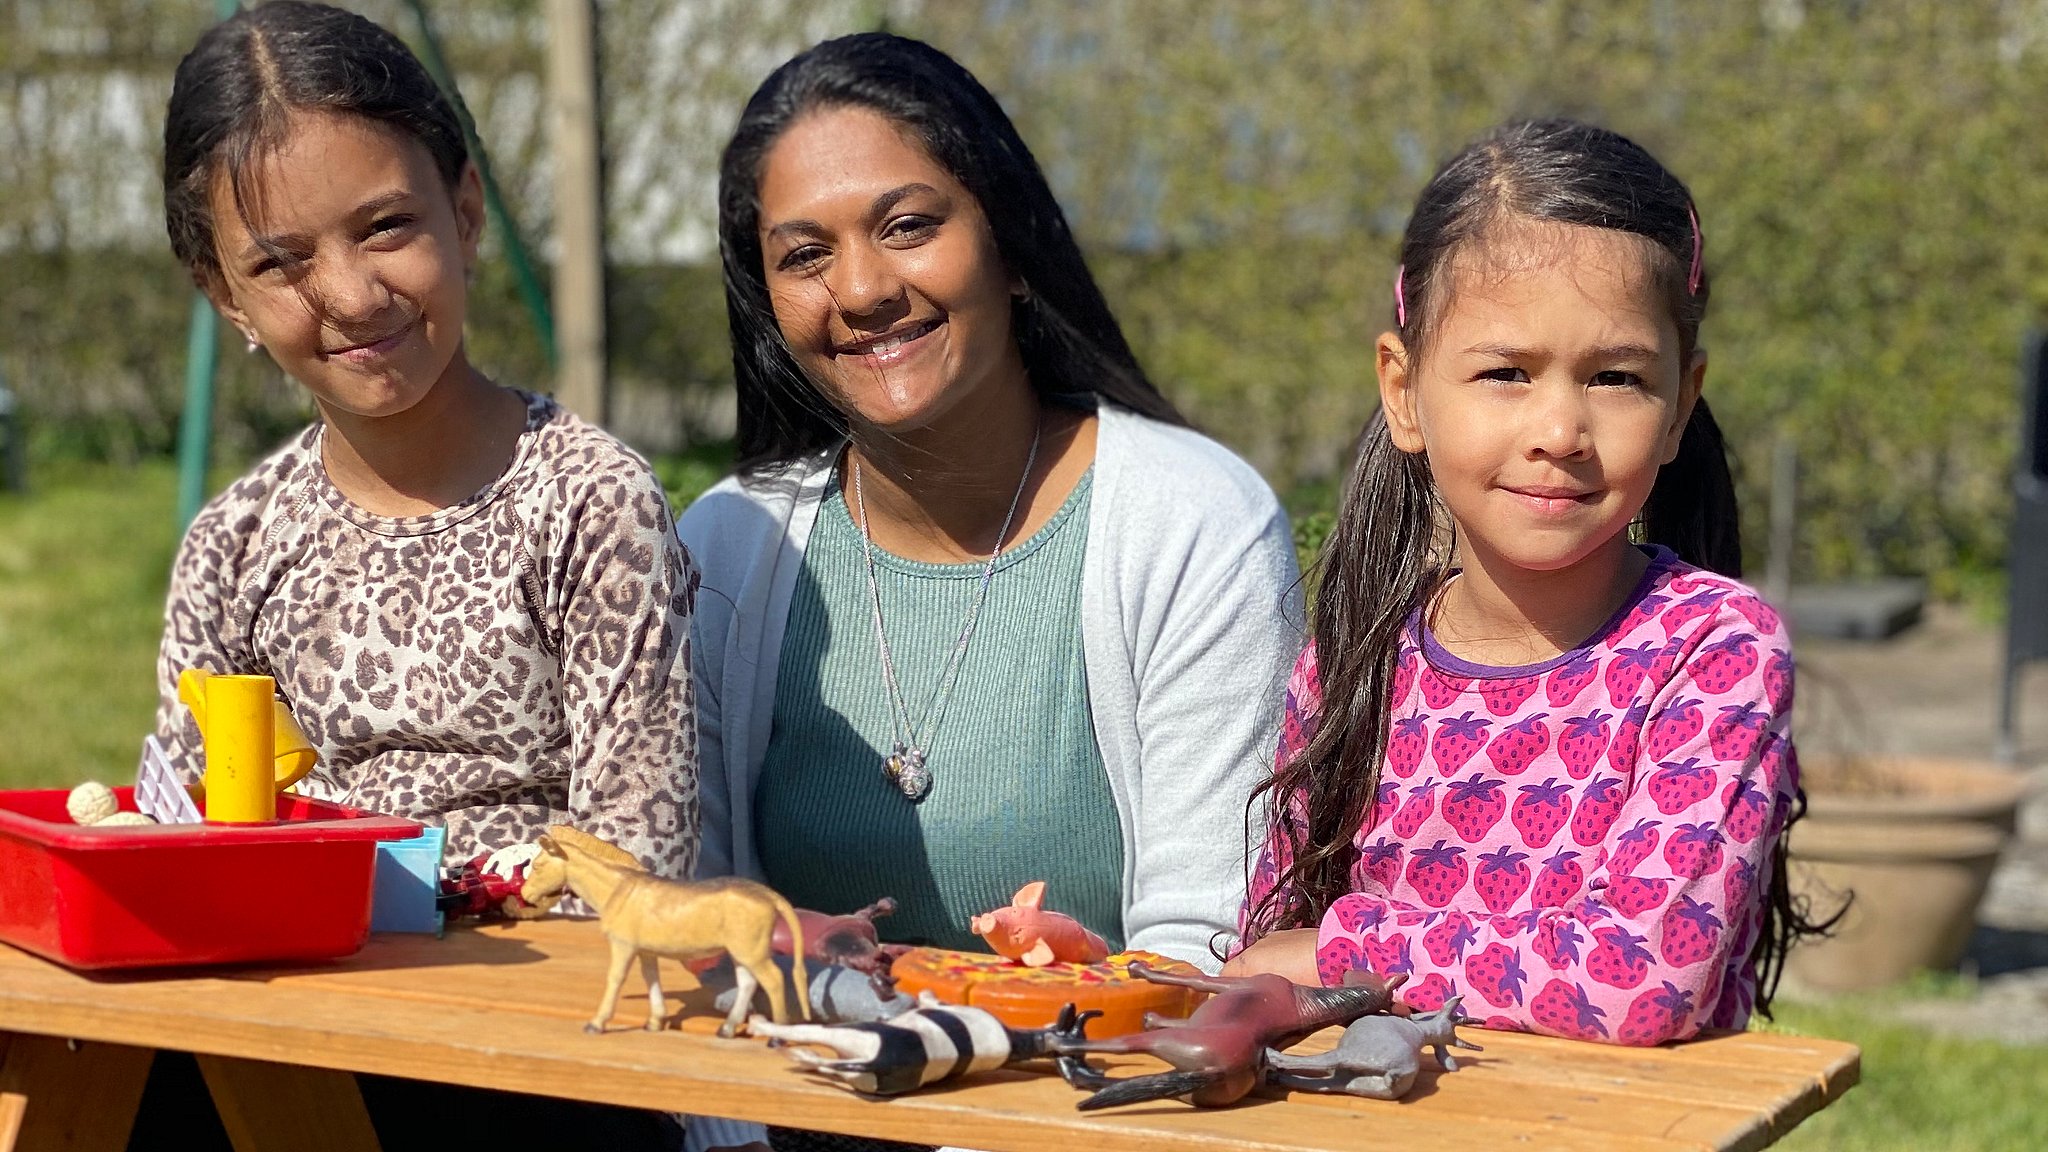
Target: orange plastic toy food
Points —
{"points": [[1024, 997]]}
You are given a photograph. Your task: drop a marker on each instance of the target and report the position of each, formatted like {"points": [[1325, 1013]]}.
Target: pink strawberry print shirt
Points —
{"points": [[1579, 847]]}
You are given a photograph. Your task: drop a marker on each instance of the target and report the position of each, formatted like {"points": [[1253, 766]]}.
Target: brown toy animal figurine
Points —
{"points": [[849, 941], [646, 916], [1219, 1053]]}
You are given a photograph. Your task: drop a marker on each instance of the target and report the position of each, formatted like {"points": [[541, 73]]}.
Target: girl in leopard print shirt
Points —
{"points": [[473, 602]]}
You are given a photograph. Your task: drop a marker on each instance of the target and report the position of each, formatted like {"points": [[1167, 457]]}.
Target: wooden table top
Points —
{"points": [[502, 1006]]}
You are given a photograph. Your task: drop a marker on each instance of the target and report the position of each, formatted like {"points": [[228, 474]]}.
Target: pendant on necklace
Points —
{"points": [[905, 769]]}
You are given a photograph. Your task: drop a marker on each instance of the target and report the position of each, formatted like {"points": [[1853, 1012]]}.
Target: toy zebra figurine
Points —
{"points": [[928, 1044]]}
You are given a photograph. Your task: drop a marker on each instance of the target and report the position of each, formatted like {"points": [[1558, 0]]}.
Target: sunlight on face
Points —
{"points": [[1550, 393], [360, 294], [882, 270]]}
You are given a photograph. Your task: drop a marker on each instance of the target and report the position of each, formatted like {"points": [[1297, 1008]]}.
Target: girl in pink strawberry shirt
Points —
{"points": [[1539, 752]]}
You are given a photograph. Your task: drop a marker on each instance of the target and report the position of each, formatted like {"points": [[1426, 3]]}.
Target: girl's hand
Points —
{"points": [[1290, 953]]}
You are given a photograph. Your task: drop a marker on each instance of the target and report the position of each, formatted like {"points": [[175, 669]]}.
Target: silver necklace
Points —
{"points": [[905, 765]]}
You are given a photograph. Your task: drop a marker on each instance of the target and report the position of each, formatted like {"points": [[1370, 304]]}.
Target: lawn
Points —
{"points": [[1921, 1091], [83, 564], [82, 568]]}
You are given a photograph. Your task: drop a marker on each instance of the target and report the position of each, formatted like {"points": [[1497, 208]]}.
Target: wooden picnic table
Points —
{"points": [[502, 1006]]}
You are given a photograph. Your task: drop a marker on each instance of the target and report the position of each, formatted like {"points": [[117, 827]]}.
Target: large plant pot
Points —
{"points": [[1916, 889], [1916, 843], [1911, 789]]}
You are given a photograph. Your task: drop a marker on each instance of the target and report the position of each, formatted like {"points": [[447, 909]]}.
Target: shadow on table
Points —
{"points": [[386, 952], [1997, 951], [1424, 1088]]}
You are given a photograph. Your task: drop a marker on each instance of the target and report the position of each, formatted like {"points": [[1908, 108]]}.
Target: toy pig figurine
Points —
{"points": [[1027, 933]]}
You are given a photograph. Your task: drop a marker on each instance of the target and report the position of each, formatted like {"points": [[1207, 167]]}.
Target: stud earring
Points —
{"points": [[254, 344]]}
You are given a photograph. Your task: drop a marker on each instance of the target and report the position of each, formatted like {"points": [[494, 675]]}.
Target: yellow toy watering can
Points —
{"points": [[254, 749]]}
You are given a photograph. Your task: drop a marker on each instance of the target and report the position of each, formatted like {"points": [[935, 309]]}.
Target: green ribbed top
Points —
{"points": [[1019, 792]]}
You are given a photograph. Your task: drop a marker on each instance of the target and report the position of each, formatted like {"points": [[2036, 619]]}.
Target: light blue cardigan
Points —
{"points": [[1189, 611]]}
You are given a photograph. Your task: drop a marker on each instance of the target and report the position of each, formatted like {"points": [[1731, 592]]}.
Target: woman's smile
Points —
{"points": [[884, 274], [895, 347]]}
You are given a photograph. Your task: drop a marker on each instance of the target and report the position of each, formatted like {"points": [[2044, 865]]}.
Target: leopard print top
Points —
{"points": [[517, 660]]}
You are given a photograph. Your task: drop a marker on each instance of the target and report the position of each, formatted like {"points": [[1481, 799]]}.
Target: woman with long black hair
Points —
{"points": [[980, 608]]}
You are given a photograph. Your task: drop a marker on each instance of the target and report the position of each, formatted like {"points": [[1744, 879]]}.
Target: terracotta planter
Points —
{"points": [[1917, 843], [1912, 790]]}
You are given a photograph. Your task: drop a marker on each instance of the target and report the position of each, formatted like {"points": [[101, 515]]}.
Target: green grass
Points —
{"points": [[84, 559], [686, 475], [1920, 1091]]}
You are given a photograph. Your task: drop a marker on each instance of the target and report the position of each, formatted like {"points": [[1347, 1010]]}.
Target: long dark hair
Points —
{"points": [[235, 91], [1068, 338], [1388, 552]]}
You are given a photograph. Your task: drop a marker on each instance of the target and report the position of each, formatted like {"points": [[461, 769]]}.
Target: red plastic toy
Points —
{"points": [[179, 894]]}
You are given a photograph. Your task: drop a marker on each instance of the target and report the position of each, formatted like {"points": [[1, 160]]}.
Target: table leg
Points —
{"points": [[54, 1095], [272, 1107]]}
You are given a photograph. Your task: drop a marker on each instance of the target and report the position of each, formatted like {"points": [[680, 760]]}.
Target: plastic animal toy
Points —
{"points": [[929, 1044], [1029, 934], [646, 916], [839, 995], [847, 941], [1378, 1057], [1219, 1053]]}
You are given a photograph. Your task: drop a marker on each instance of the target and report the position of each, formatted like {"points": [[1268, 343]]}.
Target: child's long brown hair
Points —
{"points": [[1385, 557]]}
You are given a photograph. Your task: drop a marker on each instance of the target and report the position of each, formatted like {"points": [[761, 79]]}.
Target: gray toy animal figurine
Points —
{"points": [[1378, 1057], [839, 994], [926, 1045]]}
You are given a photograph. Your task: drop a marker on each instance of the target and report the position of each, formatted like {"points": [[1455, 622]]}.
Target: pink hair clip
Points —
{"points": [[1692, 276], [1400, 296]]}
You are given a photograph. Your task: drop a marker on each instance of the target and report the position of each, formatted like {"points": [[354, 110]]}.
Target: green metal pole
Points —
{"points": [[202, 355], [530, 289], [195, 426]]}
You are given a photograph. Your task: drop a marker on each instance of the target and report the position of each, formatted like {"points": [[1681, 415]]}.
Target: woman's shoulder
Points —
{"points": [[751, 508], [1158, 477], [1167, 455]]}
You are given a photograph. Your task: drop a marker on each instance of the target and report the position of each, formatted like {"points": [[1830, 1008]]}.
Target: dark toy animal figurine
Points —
{"points": [[930, 1043], [1219, 1053], [1378, 1057], [848, 941]]}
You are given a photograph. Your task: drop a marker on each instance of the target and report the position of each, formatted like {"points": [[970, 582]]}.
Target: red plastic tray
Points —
{"points": [[186, 894]]}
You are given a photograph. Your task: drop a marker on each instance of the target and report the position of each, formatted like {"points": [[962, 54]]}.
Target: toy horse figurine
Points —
{"points": [[928, 1044], [1219, 1053], [1378, 1057], [645, 916]]}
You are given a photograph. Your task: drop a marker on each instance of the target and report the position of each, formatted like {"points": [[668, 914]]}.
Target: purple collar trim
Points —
{"points": [[1662, 560]]}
